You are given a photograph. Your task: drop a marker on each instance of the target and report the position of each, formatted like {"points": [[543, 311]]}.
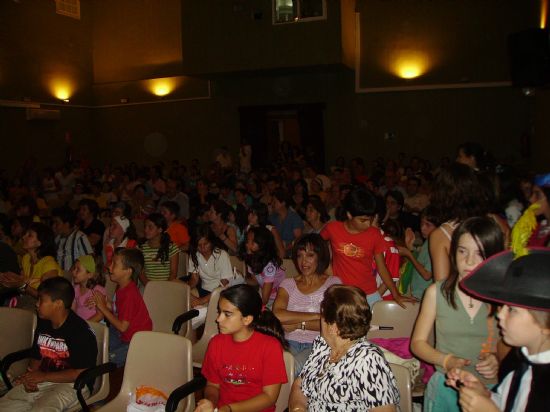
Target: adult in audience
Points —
{"points": [[316, 215], [344, 371], [287, 222], [457, 195], [37, 265], [415, 201], [298, 301], [90, 224], [174, 194], [219, 223], [176, 230], [71, 242]]}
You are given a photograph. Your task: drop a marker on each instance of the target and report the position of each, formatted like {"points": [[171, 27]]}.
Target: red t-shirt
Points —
{"points": [[353, 254], [178, 234], [131, 307], [242, 369], [393, 263]]}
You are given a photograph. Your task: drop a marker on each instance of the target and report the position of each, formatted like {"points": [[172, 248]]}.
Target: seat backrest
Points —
{"points": [[389, 313], [284, 394], [183, 259], [165, 301], [403, 379], [238, 264], [159, 360], [101, 386], [290, 269], [19, 325], [210, 327]]}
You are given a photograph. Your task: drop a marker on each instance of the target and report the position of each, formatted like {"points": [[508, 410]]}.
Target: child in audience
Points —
{"points": [[160, 254], [393, 236], [466, 333], [244, 364], [176, 230], [524, 320], [63, 347], [356, 244], [87, 278], [422, 273], [120, 233], [263, 263], [128, 314]]}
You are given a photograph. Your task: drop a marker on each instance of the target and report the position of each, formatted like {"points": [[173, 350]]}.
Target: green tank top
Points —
{"points": [[462, 336]]}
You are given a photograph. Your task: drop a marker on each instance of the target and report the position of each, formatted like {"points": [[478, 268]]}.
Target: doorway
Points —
{"points": [[276, 133]]}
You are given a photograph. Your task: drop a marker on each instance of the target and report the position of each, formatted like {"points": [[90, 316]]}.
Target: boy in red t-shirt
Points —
{"points": [[356, 244], [129, 313]]}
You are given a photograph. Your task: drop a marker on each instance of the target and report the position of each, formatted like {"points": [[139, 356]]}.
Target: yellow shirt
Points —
{"points": [[33, 274]]}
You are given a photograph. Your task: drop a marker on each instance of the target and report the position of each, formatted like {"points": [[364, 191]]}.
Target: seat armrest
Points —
{"points": [[181, 319], [9, 360], [87, 377], [183, 391]]}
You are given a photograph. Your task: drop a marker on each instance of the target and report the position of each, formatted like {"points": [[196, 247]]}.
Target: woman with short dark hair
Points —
{"points": [[298, 300], [344, 371]]}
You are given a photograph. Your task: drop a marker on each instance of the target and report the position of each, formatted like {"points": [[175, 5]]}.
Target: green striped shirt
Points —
{"points": [[154, 269]]}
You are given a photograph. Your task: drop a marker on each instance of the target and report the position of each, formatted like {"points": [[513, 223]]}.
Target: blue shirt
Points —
{"points": [[287, 226]]}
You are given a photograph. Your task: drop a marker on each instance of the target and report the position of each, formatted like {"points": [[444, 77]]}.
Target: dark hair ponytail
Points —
{"points": [[159, 221], [247, 299]]}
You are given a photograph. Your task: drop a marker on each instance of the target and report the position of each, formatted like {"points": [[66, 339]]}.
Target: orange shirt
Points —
{"points": [[178, 234]]}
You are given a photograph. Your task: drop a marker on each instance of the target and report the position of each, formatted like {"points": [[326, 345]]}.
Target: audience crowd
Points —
{"points": [[399, 229]]}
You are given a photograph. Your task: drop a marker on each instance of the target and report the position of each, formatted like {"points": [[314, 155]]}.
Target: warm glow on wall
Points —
{"points": [[409, 64], [543, 13], [162, 87], [61, 88]]}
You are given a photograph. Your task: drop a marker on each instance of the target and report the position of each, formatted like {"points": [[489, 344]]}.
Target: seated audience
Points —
{"points": [[120, 233], [344, 370], [179, 235], [244, 365], [89, 223], [298, 300], [87, 278], [70, 241], [160, 254], [287, 222], [63, 347], [129, 314]]}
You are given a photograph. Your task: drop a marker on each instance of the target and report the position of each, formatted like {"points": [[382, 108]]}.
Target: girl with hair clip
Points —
{"points": [[243, 365], [263, 264], [466, 331], [120, 233], [524, 320], [160, 254]]}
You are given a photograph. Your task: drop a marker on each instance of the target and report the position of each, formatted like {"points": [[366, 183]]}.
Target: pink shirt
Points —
{"points": [[80, 307]]}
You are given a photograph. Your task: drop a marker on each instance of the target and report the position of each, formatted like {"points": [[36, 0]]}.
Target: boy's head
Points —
{"points": [[64, 219], [55, 296], [126, 264], [361, 207]]}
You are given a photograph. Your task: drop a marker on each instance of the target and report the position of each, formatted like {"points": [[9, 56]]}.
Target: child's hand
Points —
{"points": [[454, 362], [456, 378], [409, 238], [90, 302], [100, 300], [404, 251], [401, 299], [471, 400], [487, 365], [204, 405]]}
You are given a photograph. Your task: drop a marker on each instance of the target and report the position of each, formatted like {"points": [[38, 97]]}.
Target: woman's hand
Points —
{"points": [[487, 365]]}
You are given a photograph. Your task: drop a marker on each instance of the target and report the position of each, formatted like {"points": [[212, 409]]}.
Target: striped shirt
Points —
{"points": [[154, 268], [70, 248]]}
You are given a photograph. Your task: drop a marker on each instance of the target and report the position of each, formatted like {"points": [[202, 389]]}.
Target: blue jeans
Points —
{"points": [[301, 352], [118, 350]]}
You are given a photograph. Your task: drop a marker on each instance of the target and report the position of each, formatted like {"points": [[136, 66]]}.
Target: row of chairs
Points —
{"points": [[144, 357]]}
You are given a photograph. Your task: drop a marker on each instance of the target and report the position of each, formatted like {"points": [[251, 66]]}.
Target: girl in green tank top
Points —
{"points": [[466, 331]]}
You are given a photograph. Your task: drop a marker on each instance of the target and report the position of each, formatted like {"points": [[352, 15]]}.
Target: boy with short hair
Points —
{"points": [[129, 313], [64, 346], [70, 241]]}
